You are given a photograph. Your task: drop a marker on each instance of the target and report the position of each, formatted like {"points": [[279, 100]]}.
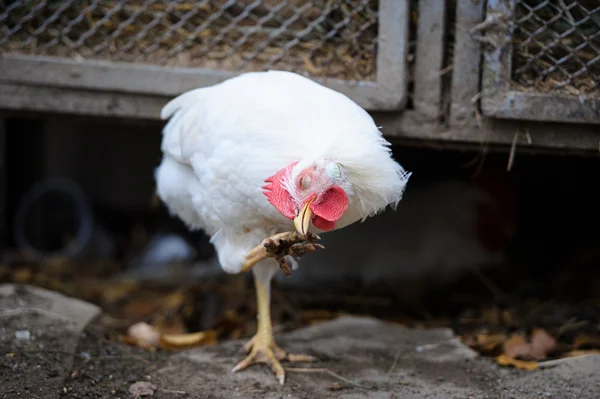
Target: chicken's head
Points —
{"points": [[306, 193]]}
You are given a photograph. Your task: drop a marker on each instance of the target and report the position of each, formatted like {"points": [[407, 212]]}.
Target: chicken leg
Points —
{"points": [[262, 347], [281, 245]]}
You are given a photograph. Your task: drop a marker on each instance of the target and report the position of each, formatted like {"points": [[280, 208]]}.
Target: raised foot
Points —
{"points": [[281, 245], [266, 351], [290, 244]]}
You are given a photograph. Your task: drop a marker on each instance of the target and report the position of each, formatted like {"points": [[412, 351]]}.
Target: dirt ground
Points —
{"points": [[54, 346]]}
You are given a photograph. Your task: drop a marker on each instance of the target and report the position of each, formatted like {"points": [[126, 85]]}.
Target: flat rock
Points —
{"points": [[39, 331], [362, 357]]}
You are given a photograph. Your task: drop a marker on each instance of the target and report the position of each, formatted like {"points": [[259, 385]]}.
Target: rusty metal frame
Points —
{"points": [[500, 100], [387, 93]]}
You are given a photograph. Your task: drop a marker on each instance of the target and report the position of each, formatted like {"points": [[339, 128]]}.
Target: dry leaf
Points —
{"points": [[542, 343], [181, 341], [505, 360], [148, 337], [516, 346], [143, 335], [489, 343], [142, 389]]}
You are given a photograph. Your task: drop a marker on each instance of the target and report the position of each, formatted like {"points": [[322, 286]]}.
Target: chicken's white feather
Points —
{"points": [[223, 141]]}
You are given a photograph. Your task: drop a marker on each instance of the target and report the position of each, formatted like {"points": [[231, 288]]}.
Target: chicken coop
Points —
{"points": [[442, 70]]}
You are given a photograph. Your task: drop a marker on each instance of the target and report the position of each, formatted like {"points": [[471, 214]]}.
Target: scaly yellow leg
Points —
{"points": [[262, 346]]}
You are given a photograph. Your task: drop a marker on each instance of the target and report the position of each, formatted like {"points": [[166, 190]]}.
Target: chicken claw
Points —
{"points": [[263, 349], [281, 245]]}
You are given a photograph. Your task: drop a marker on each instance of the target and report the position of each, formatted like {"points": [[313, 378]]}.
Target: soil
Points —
{"points": [[52, 346]]}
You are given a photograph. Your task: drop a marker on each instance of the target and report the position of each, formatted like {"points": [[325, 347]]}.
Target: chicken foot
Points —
{"points": [[262, 347], [280, 245]]}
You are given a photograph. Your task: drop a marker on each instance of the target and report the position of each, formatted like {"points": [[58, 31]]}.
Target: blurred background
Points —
{"points": [[494, 109]]}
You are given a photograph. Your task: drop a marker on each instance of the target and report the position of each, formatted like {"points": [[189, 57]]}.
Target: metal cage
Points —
{"points": [[165, 47], [542, 60]]}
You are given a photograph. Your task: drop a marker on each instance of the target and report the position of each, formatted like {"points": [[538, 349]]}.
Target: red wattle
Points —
{"points": [[322, 224], [331, 205]]}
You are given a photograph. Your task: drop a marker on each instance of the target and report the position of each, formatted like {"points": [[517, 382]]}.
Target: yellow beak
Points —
{"points": [[302, 221]]}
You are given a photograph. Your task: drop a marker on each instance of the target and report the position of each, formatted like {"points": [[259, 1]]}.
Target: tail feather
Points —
{"points": [[179, 102], [182, 112]]}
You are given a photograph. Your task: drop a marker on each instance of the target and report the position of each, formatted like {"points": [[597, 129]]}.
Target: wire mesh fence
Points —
{"points": [[335, 38], [556, 46]]}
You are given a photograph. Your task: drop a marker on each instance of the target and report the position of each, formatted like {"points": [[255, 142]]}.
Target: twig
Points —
{"points": [[326, 371], [513, 150], [479, 159], [393, 366], [557, 362], [445, 70], [528, 137], [570, 326], [173, 391]]}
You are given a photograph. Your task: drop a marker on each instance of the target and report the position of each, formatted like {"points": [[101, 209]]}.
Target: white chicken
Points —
{"points": [[324, 161]]}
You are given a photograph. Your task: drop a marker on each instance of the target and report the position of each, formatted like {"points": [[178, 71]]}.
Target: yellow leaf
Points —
{"points": [[504, 360], [181, 341], [489, 343]]}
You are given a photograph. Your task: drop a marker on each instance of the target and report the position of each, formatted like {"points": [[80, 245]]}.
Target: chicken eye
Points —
{"points": [[305, 182]]}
